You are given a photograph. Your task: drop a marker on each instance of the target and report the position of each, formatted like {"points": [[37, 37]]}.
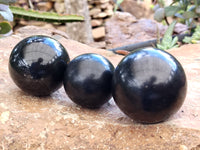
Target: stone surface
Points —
{"points": [[95, 11], [139, 9], [106, 6], [99, 12], [123, 29], [79, 31], [100, 15], [98, 33], [100, 1], [109, 12], [45, 6], [55, 122], [59, 7], [100, 44], [181, 28], [96, 22]]}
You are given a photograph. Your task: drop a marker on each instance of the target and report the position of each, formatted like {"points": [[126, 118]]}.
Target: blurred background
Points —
{"points": [[112, 23], [96, 13]]}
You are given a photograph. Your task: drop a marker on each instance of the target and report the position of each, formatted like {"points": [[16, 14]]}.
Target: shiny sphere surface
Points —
{"points": [[37, 65], [88, 80], [149, 85]]}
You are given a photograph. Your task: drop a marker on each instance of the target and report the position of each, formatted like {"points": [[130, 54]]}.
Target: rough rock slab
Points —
{"points": [[55, 122], [123, 29], [139, 9]]}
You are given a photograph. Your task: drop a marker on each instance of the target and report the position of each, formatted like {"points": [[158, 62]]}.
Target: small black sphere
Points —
{"points": [[37, 65], [149, 85], [88, 80]]}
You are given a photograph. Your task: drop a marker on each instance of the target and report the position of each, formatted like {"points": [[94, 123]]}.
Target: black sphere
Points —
{"points": [[37, 65], [149, 85], [88, 80]]}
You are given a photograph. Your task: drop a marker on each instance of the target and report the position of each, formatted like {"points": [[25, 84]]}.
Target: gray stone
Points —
{"points": [[80, 31]]}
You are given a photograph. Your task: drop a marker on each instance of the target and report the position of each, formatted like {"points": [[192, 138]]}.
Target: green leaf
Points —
{"points": [[44, 16], [159, 46], [118, 4], [187, 39], [174, 41], [5, 27], [171, 10], [168, 34], [159, 14], [179, 16], [195, 36], [167, 41], [175, 46], [188, 15], [195, 41], [7, 1]]}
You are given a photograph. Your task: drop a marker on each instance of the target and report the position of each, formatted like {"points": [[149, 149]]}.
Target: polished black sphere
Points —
{"points": [[88, 80], [37, 65], [149, 85]]}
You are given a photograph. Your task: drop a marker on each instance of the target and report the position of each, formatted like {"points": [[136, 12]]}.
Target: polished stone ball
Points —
{"points": [[37, 65], [88, 80], [149, 85]]}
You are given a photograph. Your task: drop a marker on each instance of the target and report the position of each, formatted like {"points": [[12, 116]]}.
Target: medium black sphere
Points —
{"points": [[149, 85], [37, 65], [88, 80]]}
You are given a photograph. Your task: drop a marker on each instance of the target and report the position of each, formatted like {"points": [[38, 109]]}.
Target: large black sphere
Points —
{"points": [[37, 65], [149, 85], [88, 80]]}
